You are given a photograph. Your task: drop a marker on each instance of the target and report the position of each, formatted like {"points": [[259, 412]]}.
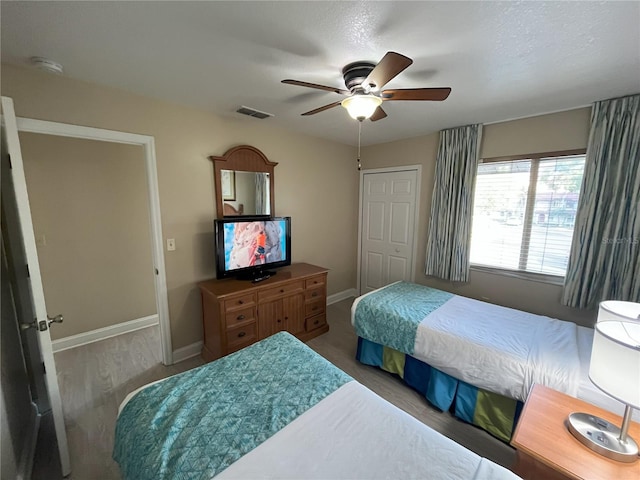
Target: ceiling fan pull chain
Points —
{"points": [[359, 134]]}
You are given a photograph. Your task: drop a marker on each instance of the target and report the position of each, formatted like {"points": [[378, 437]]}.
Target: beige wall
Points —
{"points": [[90, 216], [315, 180], [546, 133]]}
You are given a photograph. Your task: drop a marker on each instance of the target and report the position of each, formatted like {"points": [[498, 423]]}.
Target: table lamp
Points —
{"points": [[619, 310], [614, 369]]}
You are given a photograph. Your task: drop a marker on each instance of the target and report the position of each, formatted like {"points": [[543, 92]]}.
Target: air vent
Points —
{"points": [[252, 112]]}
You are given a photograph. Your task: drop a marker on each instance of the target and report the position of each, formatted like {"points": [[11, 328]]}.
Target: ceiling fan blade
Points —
{"points": [[379, 114], [391, 65], [316, 86], [321, 109], [434, 94]]}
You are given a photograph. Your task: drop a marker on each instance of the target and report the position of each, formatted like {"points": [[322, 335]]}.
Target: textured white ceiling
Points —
{"points": [[503, 60]]}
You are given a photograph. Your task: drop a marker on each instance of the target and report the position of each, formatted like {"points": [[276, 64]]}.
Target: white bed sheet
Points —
{"points": [[576, 359], [499, 349], [355, 434]]}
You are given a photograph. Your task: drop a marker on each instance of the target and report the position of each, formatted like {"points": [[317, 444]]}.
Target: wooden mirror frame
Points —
{"points": [[243, 158]]}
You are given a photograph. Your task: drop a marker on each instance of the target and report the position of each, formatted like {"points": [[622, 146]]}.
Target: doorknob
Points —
{"points": [[56, 319], [41, 325]]}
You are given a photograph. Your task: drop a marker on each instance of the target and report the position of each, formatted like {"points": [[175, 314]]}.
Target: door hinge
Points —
{"points": [[10, 164], [28, 273], [157, 272], [44, 369]]}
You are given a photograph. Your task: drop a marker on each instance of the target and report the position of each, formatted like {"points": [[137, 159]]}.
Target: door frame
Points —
{"points": [[418, 169], [147, 142]]}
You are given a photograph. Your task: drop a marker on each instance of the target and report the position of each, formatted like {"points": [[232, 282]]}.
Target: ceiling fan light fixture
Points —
{"points": [[361, 107]]}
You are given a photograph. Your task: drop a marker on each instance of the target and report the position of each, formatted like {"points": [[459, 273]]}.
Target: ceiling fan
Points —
{"points": [[364, 81]]}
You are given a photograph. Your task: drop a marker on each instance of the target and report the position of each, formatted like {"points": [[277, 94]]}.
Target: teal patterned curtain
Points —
{"points": [[604, 263], [452, 203]]}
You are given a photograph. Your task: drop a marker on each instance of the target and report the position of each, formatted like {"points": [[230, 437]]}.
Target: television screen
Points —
{"points": [[248, 247]]}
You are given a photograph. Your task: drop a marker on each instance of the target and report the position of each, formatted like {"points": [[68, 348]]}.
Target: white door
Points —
{"points": [[387, 218], [14, 194]]}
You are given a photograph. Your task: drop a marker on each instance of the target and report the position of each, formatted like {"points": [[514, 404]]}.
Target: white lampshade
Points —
{"points": [[361, 107], [615, 359], [619, 310]]}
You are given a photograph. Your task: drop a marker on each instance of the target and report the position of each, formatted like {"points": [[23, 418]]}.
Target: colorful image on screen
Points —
{"points": [[247, 244]]}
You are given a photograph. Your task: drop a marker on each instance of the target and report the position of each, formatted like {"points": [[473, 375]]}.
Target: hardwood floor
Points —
{"points": [[94, 379]]}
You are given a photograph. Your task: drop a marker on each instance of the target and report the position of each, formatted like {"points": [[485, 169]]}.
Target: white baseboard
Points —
{"points": [[338, 297], [189, 351], [103, 333]]}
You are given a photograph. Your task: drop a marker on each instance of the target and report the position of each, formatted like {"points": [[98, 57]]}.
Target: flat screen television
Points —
{"points": [[249, 248]]}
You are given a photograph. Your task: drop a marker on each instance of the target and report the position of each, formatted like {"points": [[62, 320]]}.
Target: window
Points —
{"points": [[524, 213]]}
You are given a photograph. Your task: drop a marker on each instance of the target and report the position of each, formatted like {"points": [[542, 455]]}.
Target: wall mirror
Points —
{"points": [[244, 182]]}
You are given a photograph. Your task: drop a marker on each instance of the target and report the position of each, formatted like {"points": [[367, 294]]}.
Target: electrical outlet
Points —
{"points": [[171, 244]]}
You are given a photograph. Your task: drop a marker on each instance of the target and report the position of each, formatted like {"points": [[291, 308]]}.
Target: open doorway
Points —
{"points": [[90, 218], [96, 167]]}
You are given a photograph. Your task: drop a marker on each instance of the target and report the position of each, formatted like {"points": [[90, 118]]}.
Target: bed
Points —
{"points": [[276, 409], [473, 358]]}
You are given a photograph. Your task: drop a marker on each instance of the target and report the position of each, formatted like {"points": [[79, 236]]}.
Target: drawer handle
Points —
{"points": [[240, 302], [314, 294], [282, 290], [240, 317], [242, 334], [279, 321], [316, 322], [315, 308]]}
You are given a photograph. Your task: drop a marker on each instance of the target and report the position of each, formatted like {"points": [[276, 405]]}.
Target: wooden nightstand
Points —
{"points": [[547, 450]]}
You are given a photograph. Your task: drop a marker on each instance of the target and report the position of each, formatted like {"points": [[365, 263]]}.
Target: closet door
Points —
{"points": [[388, 209]]}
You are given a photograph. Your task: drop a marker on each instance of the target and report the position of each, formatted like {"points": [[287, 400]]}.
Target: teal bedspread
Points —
{"points": [[390, 316], [194, 425]]}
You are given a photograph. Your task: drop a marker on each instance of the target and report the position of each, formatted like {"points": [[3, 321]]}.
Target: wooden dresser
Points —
{"points": [[238, 313]]}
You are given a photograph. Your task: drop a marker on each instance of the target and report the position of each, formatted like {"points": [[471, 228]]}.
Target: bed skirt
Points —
{"points": [[494, 413]]}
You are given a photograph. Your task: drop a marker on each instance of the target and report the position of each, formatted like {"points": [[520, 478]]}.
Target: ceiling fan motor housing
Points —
{"points": [[355, 73]]}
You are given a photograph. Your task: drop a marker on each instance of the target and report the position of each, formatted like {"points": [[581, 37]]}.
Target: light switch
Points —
{"points": [[171, 244]]}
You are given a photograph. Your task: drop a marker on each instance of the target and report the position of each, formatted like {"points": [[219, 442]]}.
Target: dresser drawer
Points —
{"points": [[240, 316], [240, 301], [282, 290], [315, 281], [315, 322], [243, 335], [314, 307], [314, 293]]}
